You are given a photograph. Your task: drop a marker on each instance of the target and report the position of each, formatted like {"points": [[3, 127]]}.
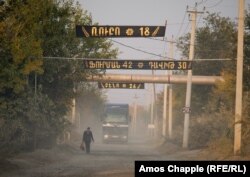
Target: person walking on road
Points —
{"points": [[87, 138]]}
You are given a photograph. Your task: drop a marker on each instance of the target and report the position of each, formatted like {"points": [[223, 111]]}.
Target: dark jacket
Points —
{"points": [[87, 136]]}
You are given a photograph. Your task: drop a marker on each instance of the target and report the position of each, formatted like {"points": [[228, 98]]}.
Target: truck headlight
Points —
{"points": [[124, 137], [106, 136]]}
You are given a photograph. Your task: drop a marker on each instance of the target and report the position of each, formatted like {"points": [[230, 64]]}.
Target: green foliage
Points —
{"points": [[219, 149], [212, 115], [61, 76], [246, 86], [246, 65], [225, 94], [216, 40], [29, 31], [211, 126], [29, 122], [18, 34], [246, 123]]}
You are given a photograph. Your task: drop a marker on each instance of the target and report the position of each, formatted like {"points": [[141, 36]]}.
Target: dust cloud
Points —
{"points": [[138, 125], [105, 159]]}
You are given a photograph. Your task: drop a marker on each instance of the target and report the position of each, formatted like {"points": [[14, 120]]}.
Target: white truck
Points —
{"points": [[115, 123]]}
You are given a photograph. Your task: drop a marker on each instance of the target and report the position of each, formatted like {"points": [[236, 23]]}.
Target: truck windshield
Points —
{"points": [[116, 118]]}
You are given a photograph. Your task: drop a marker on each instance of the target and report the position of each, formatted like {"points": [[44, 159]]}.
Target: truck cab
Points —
{"points": [[115, 123]]}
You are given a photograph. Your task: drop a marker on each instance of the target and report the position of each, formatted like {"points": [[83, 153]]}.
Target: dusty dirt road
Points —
{"points": [[105, 160]]}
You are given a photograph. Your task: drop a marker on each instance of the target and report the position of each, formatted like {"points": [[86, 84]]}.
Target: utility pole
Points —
{"points": [[156, 122], [170, 101], [165, 98], [239, 76], [164, 121], [152, 119], [189, 79], [164, 118]]}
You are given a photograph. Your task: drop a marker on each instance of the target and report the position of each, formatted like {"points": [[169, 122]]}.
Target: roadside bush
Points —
{"points": [[28, 122], [208, 127], [218, 149]]}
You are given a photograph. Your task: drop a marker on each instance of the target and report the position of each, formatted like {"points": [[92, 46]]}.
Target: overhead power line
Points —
{"points": [[202, 2], [139, 50], [162, 40], [220, 1], [150, 53], [186, 28], [183, 19]]}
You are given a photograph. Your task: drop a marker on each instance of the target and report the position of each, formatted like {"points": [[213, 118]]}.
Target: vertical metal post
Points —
{"points": [[152, 112], [165, 98], [189, 81], [155, 133], [164, 121], [239, 76], [170, 103]]}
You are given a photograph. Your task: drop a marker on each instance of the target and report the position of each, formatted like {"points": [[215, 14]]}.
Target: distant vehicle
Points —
{"points": [[115, 124]]}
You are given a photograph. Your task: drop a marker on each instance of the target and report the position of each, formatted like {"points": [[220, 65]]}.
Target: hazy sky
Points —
{"points": [[151, 12]]}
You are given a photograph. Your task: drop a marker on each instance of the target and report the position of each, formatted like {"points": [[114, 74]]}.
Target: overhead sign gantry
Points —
{"points": [[120, 85], [138, 64], [120, 31]]}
